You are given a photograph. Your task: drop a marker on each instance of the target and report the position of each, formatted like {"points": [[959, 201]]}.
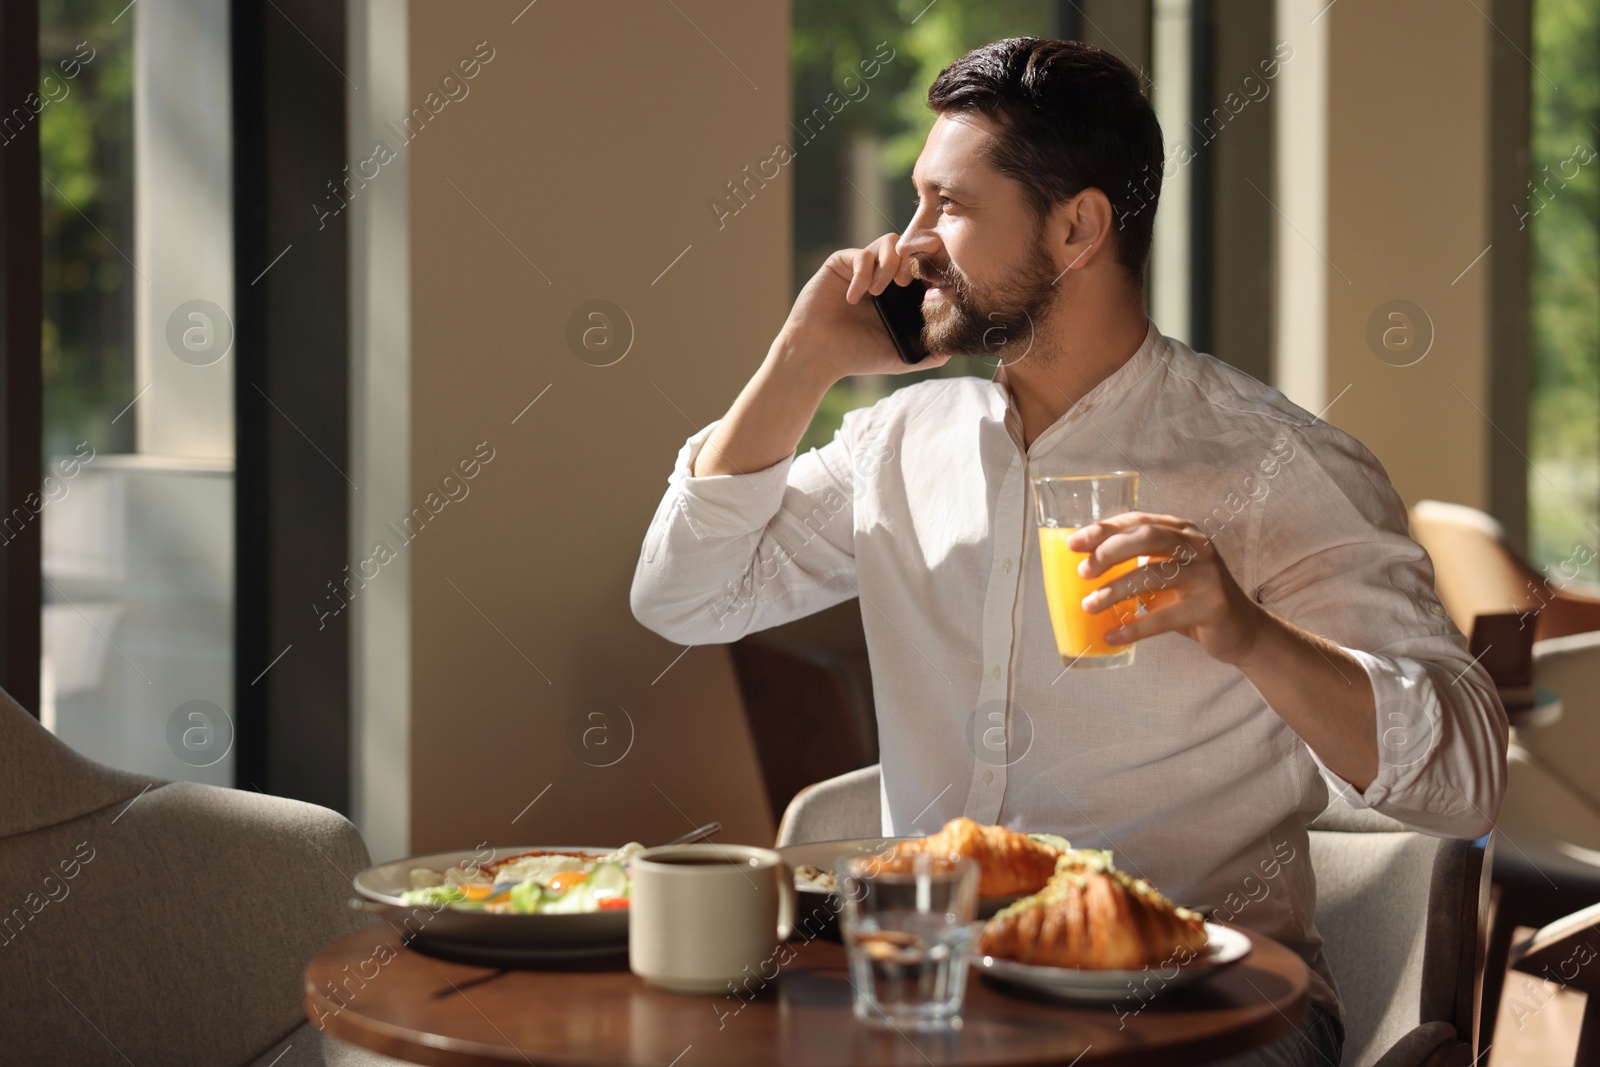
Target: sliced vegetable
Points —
{"points": [[608, 880], [614, 903], [438, 894], [573, 901], [525, 896]]}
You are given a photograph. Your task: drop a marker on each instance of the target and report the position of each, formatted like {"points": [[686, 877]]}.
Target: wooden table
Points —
{"points": [[369, 990]]}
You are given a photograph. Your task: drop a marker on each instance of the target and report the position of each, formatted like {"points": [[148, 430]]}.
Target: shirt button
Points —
{"points": [[988, 776], [994, 672], [1006, 566]]}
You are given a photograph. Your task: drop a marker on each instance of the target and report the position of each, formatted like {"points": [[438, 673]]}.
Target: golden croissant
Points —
{"points": [[1009, 863], [1092, 915]]}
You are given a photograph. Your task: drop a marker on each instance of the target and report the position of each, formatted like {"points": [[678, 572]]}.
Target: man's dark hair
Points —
{"points": [[1071, 116]]}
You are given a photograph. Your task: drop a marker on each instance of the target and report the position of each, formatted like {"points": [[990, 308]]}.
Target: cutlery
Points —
{"points": [[703, 833]]}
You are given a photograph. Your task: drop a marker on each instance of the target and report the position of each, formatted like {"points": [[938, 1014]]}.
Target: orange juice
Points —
{"points": [[1078, 633]]}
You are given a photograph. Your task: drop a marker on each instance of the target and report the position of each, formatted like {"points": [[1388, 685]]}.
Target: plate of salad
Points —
{"points": [[539, 902]]}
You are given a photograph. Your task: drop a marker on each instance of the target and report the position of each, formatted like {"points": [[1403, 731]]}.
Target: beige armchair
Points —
{"points": [[1562, 953], [160, 922], [1475, 572], [1548, 860]]}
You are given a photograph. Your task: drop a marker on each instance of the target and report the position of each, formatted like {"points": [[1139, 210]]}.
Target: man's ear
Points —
{"points": [[1080, 229]]}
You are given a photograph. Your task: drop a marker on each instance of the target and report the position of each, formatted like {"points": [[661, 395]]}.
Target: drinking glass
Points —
{"points": [[1063, 506], [907, 933]]}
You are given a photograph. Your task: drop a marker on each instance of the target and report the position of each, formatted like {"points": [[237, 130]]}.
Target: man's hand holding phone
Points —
{"points": [[833, 331]]}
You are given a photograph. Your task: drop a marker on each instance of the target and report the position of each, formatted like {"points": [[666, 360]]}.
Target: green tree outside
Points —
{"points": [[86, 157], [830, 39], [1563, 214]]}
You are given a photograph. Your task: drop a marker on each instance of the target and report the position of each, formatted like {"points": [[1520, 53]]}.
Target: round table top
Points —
{"points": [[371, 991]]}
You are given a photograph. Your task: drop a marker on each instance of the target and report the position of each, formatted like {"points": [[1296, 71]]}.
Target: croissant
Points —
{"points": [[1091, 915], [1009, 863]]}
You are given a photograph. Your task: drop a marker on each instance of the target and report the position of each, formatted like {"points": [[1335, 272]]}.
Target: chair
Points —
{"points": [[1563, 953], [1404, 920], [1402, 916], [1476, 572], [834, 810], [1548, 862], [807, 692], [161, 922]]}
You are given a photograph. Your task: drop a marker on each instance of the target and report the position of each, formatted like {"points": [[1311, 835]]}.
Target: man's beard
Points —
{"points": [[997, 319]]}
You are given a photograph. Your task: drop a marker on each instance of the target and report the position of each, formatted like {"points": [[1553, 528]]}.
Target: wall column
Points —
{"points": [[1396, 273], [576, 310]]}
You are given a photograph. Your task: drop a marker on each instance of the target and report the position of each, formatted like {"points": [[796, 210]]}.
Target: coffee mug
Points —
{"points": [[706, 917]]}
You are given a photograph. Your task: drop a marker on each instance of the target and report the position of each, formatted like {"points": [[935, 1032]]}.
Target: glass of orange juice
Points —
{"points": [[1063, 505]]}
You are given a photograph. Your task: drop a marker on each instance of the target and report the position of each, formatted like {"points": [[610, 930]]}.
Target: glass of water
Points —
{"points": [[906, 931]]}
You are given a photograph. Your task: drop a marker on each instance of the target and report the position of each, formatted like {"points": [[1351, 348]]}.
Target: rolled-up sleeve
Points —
{"points": [[727, 554], [1334, 556]]}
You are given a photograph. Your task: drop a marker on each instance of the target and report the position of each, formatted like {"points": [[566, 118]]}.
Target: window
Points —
{"points": [[1562, 211], [852, 181], [137, 665]]}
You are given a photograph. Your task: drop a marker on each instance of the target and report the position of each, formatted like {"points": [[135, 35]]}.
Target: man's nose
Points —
{"points": [[918, 239]]}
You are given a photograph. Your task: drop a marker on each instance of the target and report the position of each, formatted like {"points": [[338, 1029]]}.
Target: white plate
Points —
{"points": [[1225, 946], [536, 935]]}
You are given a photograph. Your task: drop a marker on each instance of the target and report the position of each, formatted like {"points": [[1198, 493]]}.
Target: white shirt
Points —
{"points": [[920, 506]]}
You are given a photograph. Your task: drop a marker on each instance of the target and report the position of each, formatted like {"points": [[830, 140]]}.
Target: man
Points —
{"points": [[1297, 645]]}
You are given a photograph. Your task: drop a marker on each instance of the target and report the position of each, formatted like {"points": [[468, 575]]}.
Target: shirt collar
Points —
{"points": [[1150, 354]]}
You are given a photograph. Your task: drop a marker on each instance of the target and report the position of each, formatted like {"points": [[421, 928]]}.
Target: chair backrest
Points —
{"points": [[809, 709], [1477, 574], [1570, 745], [837, 809], [178, 917], [1474, 570], [1403, 917], [1402, 914]]}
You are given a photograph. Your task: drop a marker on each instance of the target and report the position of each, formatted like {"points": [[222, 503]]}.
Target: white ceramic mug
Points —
{"points": [[705, 918]]}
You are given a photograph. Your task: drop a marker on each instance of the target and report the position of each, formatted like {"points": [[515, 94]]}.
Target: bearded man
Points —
{"points": [[1295, 648]]}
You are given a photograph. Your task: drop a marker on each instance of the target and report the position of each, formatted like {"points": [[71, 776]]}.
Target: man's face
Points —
{"points": [[976, 243]]}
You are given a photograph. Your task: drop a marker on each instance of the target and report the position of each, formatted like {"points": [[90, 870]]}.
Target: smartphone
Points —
{"points": [[900, 308]]}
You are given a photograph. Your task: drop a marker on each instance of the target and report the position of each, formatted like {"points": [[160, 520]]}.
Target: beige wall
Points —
{"points": [[1408, 211], [593, 140]]}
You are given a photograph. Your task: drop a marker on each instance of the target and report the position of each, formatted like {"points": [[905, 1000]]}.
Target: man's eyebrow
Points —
{"points": [[947, 186]]}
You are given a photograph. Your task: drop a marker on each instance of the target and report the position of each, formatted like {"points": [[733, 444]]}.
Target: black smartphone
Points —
{"points": [[900, 308]]}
